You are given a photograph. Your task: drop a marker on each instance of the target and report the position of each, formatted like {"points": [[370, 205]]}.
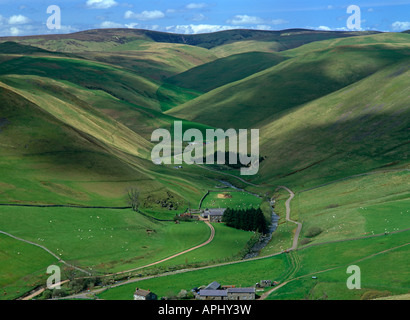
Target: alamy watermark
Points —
{"points": [[54, 21], [54, 281], [354, 281], [354, 22], [199, 150]]}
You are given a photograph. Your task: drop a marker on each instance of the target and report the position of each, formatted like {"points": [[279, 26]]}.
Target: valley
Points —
{"points": [[77, 113]]}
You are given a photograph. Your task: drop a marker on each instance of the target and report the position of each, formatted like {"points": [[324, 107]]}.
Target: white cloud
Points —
{"points": [[14, 31], [401, 25], [196, 6], [248, 20], [278, 21], [263, 27], [323, 28], [245, 19], [101, 4], [110, 25], [18, 19], [132, 25], [199, 28], [145, 15]]}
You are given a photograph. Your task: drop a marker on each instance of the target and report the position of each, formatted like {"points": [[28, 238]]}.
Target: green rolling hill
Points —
{"points": [[212, 75], [290, 84], [76, 116]]}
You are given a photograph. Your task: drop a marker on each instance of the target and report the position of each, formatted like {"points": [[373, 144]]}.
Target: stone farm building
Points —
{"points": [[144, 295], [214, 292], [214, 215]]}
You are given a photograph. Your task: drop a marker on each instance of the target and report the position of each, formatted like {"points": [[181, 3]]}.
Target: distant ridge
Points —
{"points": [[205, 40]]}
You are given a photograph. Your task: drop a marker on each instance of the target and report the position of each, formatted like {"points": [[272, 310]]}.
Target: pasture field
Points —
{"points": [[383, 262], [234, 200], [228, 244], [356, 207], [76, 117], [23, 266], [102, 240], [242, 275]]}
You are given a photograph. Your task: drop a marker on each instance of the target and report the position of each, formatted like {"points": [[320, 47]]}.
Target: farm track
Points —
{"points": [[295, 240], [211, 238], [47, 250], [41, 290], [268, 293]]}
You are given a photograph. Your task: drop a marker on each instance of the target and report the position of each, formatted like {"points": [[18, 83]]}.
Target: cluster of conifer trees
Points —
{"points": [[248, 219]]}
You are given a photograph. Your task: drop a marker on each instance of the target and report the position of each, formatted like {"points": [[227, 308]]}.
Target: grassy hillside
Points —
{"points": [[190, 84], [76, 116], [39, 152], [348, 132], [118, 82], [290, 84], [110, 39]]}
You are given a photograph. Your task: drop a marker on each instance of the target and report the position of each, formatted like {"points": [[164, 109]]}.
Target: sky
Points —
{"points": [[18, 18]]}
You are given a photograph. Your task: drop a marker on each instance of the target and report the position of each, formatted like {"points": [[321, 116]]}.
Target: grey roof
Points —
{"points": [[241, 290], [213, 286], [143, 293], [215, 212], [213, 293]]}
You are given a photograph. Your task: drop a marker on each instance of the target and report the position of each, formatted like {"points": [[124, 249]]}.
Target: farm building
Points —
{"points": [[214, 215], [144, 295], [214, 292], [213, 286], [212, 295], [241, 294]]}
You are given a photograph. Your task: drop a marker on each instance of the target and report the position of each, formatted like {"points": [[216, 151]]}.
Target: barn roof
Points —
{"points": [[142, 293], [213, 286], [241, 290], [213, 293], [215, 212]]}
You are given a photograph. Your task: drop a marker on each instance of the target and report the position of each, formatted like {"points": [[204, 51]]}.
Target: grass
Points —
{"points": [[75, 129], [242, 275], [357, 207], [116, 81], [104, 240], [228, 244], [234, 200], [211, 75], [22, 267], [288, 85], [382, 275]]}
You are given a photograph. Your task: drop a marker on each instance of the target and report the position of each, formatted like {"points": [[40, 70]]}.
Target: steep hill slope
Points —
{"points": [[118, 82], [42, 156], [291, 83], [360, 128], [212, 75]]}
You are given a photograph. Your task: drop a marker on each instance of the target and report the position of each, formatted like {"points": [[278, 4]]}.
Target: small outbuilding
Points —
{"points": [[144, 295]]}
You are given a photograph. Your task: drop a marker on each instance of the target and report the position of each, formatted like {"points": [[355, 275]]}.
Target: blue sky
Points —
{"points": [[189, 16]]}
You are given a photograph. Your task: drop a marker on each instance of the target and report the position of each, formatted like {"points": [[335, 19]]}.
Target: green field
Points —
{"points": [[76, 117], [234, 200], [241, 275], [103, 240], [382, 261]]}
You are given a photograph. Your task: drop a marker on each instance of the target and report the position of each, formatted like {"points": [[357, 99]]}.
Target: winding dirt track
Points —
{"points": [[41, 290], [299, 228], [45, 249], [212, 236]]}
